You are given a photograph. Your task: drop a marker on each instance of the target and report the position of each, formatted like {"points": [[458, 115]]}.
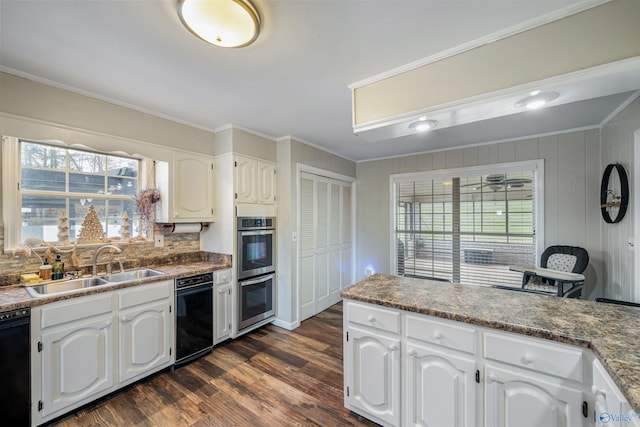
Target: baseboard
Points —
{"points": [[286, 325]]}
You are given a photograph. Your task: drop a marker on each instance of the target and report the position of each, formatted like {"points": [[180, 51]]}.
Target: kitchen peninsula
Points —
{"points": [[426, 351]]}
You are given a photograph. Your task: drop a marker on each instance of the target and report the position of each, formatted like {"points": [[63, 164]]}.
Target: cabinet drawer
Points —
{"points": [[375, 317], [530, 353], [221, 276], [145, 293], [441, 332], [75, 309]]}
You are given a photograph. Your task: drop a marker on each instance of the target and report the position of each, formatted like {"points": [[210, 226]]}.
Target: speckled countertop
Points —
{"points": [[15, 296], [610, 331]]}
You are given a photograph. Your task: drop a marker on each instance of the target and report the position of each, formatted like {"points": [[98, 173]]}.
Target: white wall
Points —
{"points": [[571, 194], [617, 147]]}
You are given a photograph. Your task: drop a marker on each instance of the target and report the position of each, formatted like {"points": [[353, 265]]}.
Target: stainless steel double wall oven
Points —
{"points": [[256, 261]]}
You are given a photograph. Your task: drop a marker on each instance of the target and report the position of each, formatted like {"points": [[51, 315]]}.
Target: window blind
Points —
{"points": [[466, 229]]}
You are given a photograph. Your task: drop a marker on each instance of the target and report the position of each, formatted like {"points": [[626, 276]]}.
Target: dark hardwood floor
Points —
{"points": [[269, 377]]}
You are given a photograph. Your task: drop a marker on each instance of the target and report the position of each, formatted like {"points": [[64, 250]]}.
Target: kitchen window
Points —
{"points": [[468, 225], [52, 178]]}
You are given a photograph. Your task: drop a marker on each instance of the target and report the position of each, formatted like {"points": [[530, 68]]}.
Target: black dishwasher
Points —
{"points": [[15, 368], [194, 317]]}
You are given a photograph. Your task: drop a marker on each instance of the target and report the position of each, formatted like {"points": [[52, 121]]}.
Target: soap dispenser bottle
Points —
{"points": [[57, 269], [45, 270]]}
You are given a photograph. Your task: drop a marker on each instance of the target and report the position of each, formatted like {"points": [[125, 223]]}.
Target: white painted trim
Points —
{"points": [[491, 38], [290, 326], [324, 173], [621, 107], [532, 165], [11, 203], [481, 144], [636, 215], [314, 145], [251, 131]]}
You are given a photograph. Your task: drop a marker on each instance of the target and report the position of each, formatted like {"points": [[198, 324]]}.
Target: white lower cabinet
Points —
{"points": [[223, 306], [611, 407], [514, 397], [75, 356], [86, 347], [441, 389], [145, 330], [408, 369], [374, 365]]}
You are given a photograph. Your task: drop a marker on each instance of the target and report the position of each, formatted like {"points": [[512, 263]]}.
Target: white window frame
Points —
{"points": [[11, 172], [536, 166]]}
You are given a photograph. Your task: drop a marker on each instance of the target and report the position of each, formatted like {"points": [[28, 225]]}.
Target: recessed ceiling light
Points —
{"points": [[540, 99], [423, 125], [225, 23]]}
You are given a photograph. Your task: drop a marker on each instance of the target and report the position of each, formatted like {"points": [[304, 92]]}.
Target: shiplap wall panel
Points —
{"points": [[470, 156], [439, 160], [593, 236], [568, 171], [454, 158], [548, 149], [572, 186], [527, 149], [424, 162], [483, 155], [617, 147], [507, 152]]}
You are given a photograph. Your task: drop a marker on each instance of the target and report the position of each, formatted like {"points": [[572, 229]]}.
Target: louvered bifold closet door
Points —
{"points": [[307, 244], [325, 248], [335, 248], [322, 246], [346, 238]]}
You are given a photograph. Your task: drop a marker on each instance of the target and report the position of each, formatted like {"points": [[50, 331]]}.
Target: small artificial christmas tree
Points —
{"points": [[125, 230], [92, 230], [63, 229]]}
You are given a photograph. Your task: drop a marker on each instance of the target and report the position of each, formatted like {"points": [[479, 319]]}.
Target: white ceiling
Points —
{"points": [[292, 81]]}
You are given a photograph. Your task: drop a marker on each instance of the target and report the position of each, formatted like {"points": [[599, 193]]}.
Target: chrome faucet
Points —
{"points": [[94, 268]]}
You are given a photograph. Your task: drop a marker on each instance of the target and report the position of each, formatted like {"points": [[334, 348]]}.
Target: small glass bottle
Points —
{"points": [[45, 270], [57, 269]]}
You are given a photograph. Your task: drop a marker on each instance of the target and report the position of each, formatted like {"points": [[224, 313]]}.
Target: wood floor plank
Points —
{"points": [[269, 377]]}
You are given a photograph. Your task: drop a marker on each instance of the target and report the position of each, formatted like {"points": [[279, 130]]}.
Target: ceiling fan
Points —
{"points": [[499, 181]]}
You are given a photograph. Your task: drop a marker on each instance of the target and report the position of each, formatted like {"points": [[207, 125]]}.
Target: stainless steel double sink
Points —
{"points": [[53, 288]]}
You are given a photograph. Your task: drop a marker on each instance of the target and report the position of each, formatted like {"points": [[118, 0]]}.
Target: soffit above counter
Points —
{"points": [[590, 54]]}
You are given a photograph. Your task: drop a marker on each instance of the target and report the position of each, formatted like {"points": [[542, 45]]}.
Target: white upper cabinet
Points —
{"points": [[255, 181], [187, 188]]}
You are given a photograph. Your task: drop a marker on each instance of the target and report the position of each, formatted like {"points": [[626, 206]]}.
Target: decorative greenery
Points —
{"points": [[145, 205]]}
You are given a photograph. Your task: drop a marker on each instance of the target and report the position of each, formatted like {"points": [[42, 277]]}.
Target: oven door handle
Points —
{"points": [[203, 285], [254, 281]]}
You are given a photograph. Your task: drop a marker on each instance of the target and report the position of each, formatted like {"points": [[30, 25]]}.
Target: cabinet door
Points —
{"points": [[246, 179], [373, 361], [193, 187], [145, 339], [267, 183], [522, 399], [77, 363], [440, 388], [222, 312]]}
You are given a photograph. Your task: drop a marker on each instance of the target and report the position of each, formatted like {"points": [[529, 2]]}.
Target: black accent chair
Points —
{"points": [[569, 259]]}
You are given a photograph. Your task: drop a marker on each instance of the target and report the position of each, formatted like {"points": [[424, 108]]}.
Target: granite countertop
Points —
{"points": [[15, 296], [610, 331]]}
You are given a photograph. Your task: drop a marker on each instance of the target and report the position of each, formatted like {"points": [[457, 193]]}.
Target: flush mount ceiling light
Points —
{"points": [[423, 125], [536, 100], [225, 23]]}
